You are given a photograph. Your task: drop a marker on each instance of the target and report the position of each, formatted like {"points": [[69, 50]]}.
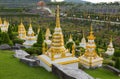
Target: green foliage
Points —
{"points": [[19, 41], [101, 73], [117, 63], [77, 42], [10, 32], [117, 53], [109, 62], [34, 50], [40, 39], [69, 46], [5, 39]]}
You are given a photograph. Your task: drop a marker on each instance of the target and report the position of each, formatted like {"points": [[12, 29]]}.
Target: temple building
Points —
{"points": [[57, 53], [41, 9], [30, 38], [4, 26], [47, 35], [110, 49], [21, 31], [90, 59], [83, 42]]}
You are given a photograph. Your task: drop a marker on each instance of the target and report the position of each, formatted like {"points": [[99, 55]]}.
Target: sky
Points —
{"points": [[96, 1]]}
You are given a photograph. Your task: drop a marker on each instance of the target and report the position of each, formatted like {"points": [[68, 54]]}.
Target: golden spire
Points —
{"points": [[47, 32], [0, 20], [43, 48], [70, 36], [38, 30], [57, 17], [73, 50], [30, 24], [111, 39], [91, 36]]}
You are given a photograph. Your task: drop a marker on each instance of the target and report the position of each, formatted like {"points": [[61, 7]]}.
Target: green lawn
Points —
{"points": [[101, 73], [11, 68]]}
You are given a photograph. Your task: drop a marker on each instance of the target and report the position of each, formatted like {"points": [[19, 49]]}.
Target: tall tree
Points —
{"points": [[10, 33], [5, 39], [40, 39]]}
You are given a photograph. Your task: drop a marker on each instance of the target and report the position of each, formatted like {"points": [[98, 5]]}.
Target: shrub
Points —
{"points": [[117, 53], [109, 62], [34, 50], [117, 63], [19, 41], [69, 46]]}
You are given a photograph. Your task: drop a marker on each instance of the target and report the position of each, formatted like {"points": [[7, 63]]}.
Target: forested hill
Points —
{"points": [[22, 1], [19, 3]]}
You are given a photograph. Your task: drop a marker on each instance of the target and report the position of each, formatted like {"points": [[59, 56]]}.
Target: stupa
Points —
{"points": [[21, 31], [47, 35], [57, 53], [90, 59], [83, 42], [30, 38], [4, 26], [110, 49]]}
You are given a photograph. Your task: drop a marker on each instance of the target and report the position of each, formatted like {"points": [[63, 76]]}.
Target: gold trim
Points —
{"points": [[45, 61], [68, 62]]}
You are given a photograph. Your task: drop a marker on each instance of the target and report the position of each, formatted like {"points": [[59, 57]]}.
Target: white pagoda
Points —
{"points": [[47, 35], [83, 42], [110, 50], [4, 26], [57, 53], [30, 38], [90, 59]]}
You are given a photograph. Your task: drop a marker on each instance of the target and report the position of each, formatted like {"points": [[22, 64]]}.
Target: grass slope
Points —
{"points": [[102, 73], [11, 68]]}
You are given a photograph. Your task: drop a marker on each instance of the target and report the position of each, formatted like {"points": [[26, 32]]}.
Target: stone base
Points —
{"points": [[46, 62], [95, 62], [29, 43], [110, 53]]}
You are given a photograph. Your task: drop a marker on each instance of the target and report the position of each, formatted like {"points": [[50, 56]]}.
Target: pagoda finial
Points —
{"points": [[91, 29], [57, 17], [91, 36], [70, 36], [43, 48], [73, 50], [30, 23], [0, 20]]}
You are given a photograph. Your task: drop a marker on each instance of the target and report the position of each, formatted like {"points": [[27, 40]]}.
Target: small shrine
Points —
{"points": [[90, 58], [83, 42], [110, 49], [30, 38], [21, 31]]}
